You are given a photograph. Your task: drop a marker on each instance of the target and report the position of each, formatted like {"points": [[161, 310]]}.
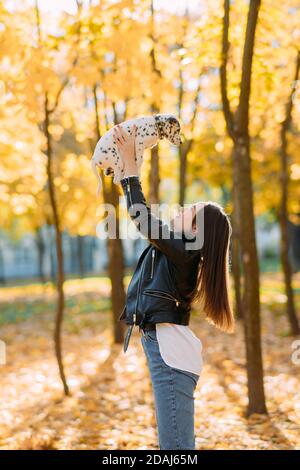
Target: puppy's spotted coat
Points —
{"points": [[149, 130]]}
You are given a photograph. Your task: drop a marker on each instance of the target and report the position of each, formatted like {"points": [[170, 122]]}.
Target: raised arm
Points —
{"points": [[154, 229], [172, 244]]}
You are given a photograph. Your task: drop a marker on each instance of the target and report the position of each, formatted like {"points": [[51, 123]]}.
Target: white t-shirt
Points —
{"points": [[179, 347]]}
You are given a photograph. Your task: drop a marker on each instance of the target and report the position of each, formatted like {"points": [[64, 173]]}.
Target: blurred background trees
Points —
{"points": [[67, 75]]}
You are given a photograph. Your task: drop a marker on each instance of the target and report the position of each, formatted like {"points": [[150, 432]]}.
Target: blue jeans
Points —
{"points": [[173, 398]]}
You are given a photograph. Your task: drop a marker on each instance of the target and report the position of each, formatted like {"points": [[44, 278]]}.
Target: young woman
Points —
{"points": [[170, 276]]}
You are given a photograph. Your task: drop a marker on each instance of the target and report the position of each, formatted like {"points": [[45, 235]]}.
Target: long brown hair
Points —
{"points": [[212, 286]]}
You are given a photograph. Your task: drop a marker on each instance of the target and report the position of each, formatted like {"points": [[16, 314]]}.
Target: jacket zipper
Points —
{"points": [[152, 265], [163, 295], [128, 189], [139, 285]]}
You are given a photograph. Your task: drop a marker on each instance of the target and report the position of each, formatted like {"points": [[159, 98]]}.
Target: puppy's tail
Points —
{"points": [[96, 173]]}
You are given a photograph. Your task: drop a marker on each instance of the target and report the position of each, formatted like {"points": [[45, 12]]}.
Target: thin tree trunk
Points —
{"points": [[2, 270], [116, 265], [114, 245], [238, 129], [251, 301], [242, 163], [235, 255], [48, 111], [283, 211], [185, 148], [59, 253], [182, 176], [154, 179], [41, 254], [116, 259], [52, 256], [236, 268], [80, 255], [236, 248]]}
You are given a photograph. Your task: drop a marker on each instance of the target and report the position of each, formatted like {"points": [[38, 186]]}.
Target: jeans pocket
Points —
{"points": [[196, 376], [187, 372], [192, 374]]}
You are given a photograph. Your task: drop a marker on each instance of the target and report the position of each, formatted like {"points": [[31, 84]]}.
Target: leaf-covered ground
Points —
{"points": [[112, 406]]}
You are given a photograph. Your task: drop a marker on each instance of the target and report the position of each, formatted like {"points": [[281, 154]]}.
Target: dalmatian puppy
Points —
{"points": [[149, 129]]}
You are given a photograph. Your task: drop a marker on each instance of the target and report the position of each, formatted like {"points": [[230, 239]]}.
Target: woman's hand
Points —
{"points": [[126, 146]]}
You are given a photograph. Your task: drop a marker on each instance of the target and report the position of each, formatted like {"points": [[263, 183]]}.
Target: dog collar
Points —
{"points": [[159, 127]]}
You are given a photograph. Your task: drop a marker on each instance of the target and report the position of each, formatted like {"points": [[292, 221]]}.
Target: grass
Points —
{"points": [[82, 297], [90, 295]]}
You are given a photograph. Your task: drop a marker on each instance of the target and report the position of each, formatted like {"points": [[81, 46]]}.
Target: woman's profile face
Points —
{"points": [[182, 221]]}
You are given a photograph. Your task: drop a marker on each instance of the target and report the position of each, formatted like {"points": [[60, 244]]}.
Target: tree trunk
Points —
{"points": [[114, 245], [80, 255], [238, 129], [251, 301], [116, 265], [59, 253], [41, 254], [182, 173], [183, 163], [236, 268], [236, 245], [2, 269], [154, 179], [185, 148], [52, 257], [283, 212]]}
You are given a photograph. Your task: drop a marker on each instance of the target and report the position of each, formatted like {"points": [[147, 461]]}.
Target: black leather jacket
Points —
{"points": [[166, 272]]}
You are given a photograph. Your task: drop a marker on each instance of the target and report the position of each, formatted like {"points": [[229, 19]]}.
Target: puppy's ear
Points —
{"points": [[172, 120]]}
